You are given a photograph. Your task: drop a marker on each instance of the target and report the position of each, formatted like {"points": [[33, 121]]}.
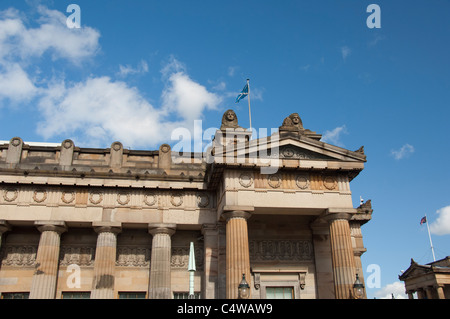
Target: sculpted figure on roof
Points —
{"points": [[229, 120]]}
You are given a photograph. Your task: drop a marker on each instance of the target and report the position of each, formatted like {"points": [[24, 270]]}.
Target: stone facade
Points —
{"points": [[112, 223], [430, 281]]}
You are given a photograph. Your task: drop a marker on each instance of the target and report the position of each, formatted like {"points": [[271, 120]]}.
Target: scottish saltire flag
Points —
{"points": [[423, 220], [243, 93]]}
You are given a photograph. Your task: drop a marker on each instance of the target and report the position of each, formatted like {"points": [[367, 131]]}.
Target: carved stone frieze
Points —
{"points": [[132, 256], [79, 255], [282, 250], [246, 180], [180, 258], [18, 255], [10, 194], [39, 196]]}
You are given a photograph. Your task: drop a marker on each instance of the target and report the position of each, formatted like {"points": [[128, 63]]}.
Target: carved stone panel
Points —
{"points": [[79, 255], [280, 250], [18, 255]]}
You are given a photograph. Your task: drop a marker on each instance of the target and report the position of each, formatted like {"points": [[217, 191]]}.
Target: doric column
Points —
{"points": [[160, 281], [344, 268], [410, 294], [210, 274], [4, 227], [440, 291], [237, 251], [105, 260], [43, 285]]}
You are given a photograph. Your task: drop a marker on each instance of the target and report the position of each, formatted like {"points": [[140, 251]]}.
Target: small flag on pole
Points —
{"points": [[243, 93], [423, 220]]}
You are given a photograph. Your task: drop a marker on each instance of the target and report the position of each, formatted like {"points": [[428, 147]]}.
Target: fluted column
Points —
{"points": [[43, 285], [237, 251], [344, 267], [105, 260], [160, 281]]}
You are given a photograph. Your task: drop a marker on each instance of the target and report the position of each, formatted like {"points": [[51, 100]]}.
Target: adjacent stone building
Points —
{"points": [[430, 281], [117, 223]]}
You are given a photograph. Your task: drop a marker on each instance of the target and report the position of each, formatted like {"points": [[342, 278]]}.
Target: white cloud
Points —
{"points": [[15, 83], [334, 136], [188, 98], [403, 152], [52, 35], [98, 110], [232, 70], [345, 51], [441, 226], [396, 288], [126, 70]]}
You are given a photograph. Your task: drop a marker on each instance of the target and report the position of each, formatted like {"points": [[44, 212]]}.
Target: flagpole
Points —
{"points": [[429, 235], [248, 95]]}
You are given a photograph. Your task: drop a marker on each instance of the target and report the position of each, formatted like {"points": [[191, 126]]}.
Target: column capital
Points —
{"points": [[209, 228], [161, 228], [332, 214], [51, 225], [4, 226], [236, 214], [107, 227]]}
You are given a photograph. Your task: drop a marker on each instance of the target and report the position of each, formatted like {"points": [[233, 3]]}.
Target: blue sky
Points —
{"points": [[136, 70]]}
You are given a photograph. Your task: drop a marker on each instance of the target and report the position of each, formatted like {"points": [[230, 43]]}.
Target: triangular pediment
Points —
{"points": [[302, 148]]}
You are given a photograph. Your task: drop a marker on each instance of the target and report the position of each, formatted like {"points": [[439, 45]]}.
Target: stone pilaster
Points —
{"points": [[43, 285], [344, 267], [160, 281], [4, 227], [211, 272], [105, 260], [237, 251]]}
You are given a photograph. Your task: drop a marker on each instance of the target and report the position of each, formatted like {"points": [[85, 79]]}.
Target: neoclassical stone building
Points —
{"points": [[116, 223]]}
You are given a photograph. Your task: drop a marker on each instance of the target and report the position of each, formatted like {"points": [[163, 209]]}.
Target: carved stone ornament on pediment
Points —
{"points": [[292, 152], [229, 120], [292, 123]]}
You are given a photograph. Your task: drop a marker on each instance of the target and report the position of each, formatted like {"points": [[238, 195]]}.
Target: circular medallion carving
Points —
{"points": [[39, 196], [288, 152], [302, 182], [117, 146], [67, 144], [176, 199], [203, 200], [10, 195], [96, 198], [329, 182], [68, 197], [150, 199], [246, 180], [15, 141], [274, 180], [165, 148], [123, 198]]}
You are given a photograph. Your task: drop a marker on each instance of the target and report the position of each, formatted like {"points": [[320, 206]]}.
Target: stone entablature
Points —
{"points": [[146, 206]]}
